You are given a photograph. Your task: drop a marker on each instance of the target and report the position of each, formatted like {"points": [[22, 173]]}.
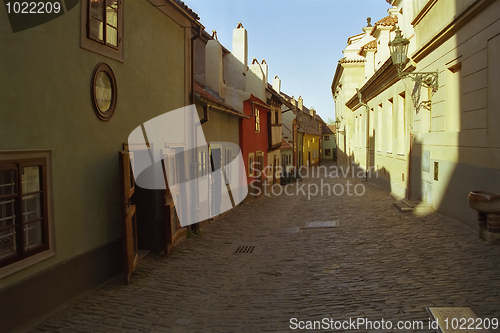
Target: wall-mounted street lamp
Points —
{"points": [[337, 127], [399, 50]]}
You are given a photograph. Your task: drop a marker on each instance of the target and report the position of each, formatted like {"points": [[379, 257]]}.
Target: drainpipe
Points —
{"points": [[194, 165], [367, 133]]}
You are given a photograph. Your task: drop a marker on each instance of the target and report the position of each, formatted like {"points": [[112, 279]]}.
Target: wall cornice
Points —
{"points": [[460, 20]]}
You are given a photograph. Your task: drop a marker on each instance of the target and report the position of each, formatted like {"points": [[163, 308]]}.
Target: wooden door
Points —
{"points": [[129, 220]]}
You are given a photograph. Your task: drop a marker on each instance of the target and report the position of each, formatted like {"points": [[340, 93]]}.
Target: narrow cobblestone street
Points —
{"points": [[375, 263]]}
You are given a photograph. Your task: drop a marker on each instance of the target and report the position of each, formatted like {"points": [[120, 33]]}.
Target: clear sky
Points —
{"points": [[301, 40]]}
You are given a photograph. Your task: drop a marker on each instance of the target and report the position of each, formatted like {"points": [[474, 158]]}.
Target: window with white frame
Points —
{"points": [[202, 164]]}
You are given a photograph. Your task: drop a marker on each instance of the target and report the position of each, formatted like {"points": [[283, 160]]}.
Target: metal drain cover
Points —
{"points": [[244, 249], [292, 230], [323, 224], [457, 319]]}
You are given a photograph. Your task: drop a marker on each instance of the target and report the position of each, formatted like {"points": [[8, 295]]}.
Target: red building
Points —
{"points": [[254, 141]]}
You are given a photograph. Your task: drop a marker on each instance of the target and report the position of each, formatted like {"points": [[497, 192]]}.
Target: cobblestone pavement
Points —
{"points": [[376, 264]]}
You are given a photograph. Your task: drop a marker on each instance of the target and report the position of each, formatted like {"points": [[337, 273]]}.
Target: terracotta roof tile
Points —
{"points": [[370, 46], [188, 10], [285, 145], [390, 20], [351, 61]]}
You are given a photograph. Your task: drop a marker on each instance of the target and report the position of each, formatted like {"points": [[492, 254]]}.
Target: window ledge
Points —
{"points": [[25, 263]]}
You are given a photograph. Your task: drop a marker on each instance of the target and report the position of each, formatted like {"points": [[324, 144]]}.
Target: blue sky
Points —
{"points": [[301, 41]]}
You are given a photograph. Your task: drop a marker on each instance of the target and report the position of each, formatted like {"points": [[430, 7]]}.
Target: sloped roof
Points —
{"points": [[320, 119], [369, 46], [333, 128], [308, 129], [327, 130], [285, 145], [351, 61], [188, 10], [201, 91], [390, 20]]}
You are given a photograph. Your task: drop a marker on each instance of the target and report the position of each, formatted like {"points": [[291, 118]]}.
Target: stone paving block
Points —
{"points": [[376, 264]]}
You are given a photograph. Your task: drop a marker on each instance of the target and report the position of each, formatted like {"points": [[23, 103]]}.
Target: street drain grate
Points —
{"points": [[456, 319], [323, 224], [244, 249]]}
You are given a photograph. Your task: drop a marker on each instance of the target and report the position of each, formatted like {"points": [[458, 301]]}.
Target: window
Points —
{"points": [[23, 209], [104, 91], [251, 157], [327, 152], [202, 164], [227, 166], [379, 128], [401, 135], [257, 120], [326, 138], [103, 22], [388, 122], [102, 27]]}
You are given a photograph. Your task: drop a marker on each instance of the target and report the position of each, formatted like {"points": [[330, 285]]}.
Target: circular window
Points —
{"points": [[104, 91]]}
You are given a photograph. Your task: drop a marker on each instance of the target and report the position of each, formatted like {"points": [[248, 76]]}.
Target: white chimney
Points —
{"points": [[213, 67], [255, 83], [240, 47], [277, 84], [300, 103], [265, 69]]}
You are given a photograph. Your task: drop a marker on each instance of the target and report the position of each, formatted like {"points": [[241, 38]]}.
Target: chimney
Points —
{"points": [[255, 80], [300, 103], [277, 84], [265, 69], [240, 47], [213, 66]]}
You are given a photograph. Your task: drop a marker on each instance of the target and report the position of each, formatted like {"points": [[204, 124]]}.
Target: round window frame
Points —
{"points": [[104, 115]]}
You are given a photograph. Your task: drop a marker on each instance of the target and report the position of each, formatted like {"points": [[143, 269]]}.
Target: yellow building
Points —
{"points": [[310, 145]]}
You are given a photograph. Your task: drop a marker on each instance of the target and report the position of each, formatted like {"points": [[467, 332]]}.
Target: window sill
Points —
{"points": [[25, 263]]}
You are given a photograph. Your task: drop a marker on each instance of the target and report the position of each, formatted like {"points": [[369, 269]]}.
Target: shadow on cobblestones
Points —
{"points": [[376, 263]]}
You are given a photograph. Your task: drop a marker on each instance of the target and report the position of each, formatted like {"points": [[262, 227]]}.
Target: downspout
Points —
{"points": [[194, 164], [367, 133]]}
